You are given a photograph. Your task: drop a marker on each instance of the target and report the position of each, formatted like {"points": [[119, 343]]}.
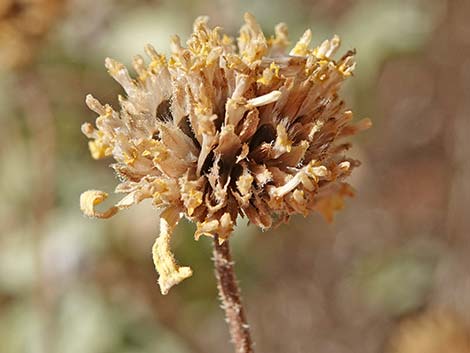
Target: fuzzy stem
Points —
{"points": [[229, 294]]}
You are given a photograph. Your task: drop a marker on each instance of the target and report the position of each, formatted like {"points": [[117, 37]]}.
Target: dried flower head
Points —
{"points": [[23, 23], [219, 130]]}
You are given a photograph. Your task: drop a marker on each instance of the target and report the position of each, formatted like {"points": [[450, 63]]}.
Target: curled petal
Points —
{"points": [[165, 264], [95, 105], [328, 48], [119, 72], [223, 228], [251, 42], [244, 186], [89, 199], [301, 48], [191, 193], [283, 143], [329, 203], [280, 42], [304, 176]]}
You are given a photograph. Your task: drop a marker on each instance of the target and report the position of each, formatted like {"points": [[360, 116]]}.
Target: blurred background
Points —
{"points": [[391, 274]]}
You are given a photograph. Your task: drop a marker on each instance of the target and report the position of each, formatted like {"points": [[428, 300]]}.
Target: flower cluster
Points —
{"points": [[220, 130], [22, 24]]}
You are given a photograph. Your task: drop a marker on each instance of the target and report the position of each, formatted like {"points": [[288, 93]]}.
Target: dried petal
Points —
{"points": [[89, 199], [165, 264]]}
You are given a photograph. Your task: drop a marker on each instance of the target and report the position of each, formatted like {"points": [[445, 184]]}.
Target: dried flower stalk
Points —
{"points": [[230, 297], [219, 130]]}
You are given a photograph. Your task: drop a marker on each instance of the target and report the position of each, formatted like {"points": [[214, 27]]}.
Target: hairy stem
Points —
{"points": [[229, 294]]}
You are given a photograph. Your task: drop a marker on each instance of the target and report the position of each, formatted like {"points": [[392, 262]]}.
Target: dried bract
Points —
{"points": [[219, 130]]}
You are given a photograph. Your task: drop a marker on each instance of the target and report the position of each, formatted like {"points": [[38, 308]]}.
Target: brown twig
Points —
{"points": [[229, 294]]}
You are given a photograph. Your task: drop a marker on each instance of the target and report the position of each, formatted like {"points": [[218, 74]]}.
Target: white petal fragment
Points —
{"points": [[165, 264], [265, 99]]}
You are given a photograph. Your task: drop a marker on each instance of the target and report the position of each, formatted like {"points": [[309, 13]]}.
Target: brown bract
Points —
{"points": [[23, 24], [218, 130]]}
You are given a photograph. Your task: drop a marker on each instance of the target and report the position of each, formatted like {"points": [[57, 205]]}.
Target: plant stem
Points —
{"points": [[229, 294]]}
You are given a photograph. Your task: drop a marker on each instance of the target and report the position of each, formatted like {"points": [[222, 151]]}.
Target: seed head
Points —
{"points": [[219, 130]]}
